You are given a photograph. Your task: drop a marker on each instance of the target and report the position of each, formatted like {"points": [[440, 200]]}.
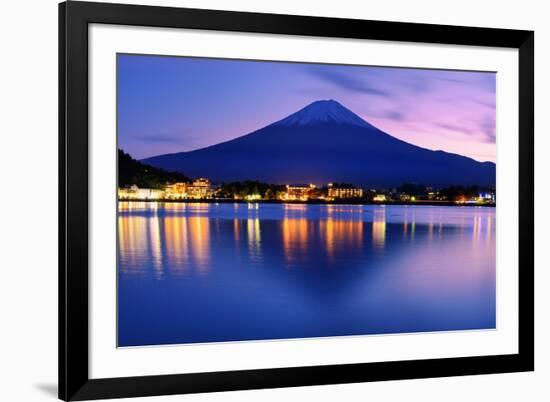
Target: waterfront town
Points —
{"points": [[253, 191]]}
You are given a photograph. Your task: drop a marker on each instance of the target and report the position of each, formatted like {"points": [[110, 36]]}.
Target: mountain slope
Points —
{"points": [[326, 142]]}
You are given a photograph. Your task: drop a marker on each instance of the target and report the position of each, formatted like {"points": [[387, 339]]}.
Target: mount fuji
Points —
{"points": [[326, 142]]}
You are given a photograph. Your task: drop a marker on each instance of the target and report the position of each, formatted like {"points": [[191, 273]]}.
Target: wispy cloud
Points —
{"points": [[158, 138], [394, 115], [348, 82], [417, 83], [487, 125], [484, 128], [491, 105], [454, 127], [453, 80]]}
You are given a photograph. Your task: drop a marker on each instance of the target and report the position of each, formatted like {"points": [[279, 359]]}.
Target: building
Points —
{"points": [[200, 189], [176, 191], [487, 197], [343, 192], [299, 192], [128, 193], [405, 197], [150, 194], [380, 198], [135, 193]]}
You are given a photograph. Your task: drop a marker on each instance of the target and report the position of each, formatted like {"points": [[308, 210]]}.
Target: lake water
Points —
{"points": [[204, 272]]}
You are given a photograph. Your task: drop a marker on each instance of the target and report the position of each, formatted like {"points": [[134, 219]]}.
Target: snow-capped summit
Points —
{"points": [[323, 111]]}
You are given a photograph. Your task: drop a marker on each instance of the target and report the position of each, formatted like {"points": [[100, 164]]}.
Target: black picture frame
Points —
{"points": [[74, 381]]}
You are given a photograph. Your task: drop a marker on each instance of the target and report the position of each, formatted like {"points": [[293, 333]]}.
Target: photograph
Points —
{"points": [[272, 200]]}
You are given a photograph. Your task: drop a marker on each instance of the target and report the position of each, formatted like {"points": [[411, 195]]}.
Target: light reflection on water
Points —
{"points": [[205, 272]]}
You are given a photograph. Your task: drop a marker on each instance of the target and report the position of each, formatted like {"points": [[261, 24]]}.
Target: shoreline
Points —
{"points": [[314, 202]]}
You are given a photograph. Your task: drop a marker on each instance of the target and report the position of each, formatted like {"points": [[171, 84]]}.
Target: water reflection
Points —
{"points": [[199, 243], [155, 246], [321, 270], [132, 242], [178, 236], [379, 228], [254, 239], [295, 238], [341, 235], [161, 242], [177, 243]]}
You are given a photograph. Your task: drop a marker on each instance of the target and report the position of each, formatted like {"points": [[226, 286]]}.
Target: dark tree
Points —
{"points": [[454, 193], [417, 190], [133, 172], [250, 187]]}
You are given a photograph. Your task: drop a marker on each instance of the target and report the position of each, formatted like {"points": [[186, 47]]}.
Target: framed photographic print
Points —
{"points": [[256, 200]]}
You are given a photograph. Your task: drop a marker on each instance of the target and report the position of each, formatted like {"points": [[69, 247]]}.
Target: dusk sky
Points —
{"points": [[174, 104]]}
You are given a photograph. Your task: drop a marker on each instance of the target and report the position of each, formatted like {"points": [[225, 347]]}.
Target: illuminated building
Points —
{"points": [[404, 197], [150, 194], [301, 192], [253, 197], [379, 198], [487, 197], [136, 193], [344, 192], [482, 198], [176, 191], [200, 189], [128, 193]]}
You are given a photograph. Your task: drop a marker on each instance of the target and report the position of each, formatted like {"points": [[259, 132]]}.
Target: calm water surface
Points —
{"points": [[200, 272]]}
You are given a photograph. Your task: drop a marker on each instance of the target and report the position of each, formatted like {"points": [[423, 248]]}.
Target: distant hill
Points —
{"points": [[131, 171], [326, 142]]}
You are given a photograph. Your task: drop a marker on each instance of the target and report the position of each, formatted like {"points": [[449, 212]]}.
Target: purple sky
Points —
{"points": [[173, 104]]}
